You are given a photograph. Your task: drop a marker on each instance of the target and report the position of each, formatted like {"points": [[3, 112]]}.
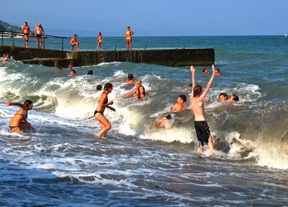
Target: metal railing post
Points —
{"points": [[12, 35], [13, 44]]}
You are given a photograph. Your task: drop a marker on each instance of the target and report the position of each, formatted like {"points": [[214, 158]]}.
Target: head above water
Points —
{"points": [[234, 98], [130, 76], [108, 86], [98, 87], [138, 83], [27, 103], [223, 97], [183, 97]]}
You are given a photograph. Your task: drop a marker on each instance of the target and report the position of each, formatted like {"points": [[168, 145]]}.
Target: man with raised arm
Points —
{"points": [[197, 98]]}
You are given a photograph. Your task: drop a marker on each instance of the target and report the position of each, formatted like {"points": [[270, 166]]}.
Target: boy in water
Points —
{"points": [[197, 98], [178, 107]]}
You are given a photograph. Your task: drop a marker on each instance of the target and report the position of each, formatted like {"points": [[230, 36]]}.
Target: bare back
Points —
{"points": [[198, 108]]}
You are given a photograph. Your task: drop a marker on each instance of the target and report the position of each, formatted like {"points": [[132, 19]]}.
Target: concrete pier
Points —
{"points": [[167, 57]]}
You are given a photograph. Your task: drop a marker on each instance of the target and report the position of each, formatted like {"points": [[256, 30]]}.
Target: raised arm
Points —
{"points": [[209, 84], [192, 70], [131, 93], [9, 103]]}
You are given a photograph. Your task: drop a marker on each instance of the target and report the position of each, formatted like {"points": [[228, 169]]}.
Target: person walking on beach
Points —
{"points": [[26, 32], [128, 38], [39, 32], [19, 121], [99, 41], [197, 98], [75, 42], [99, 112]]}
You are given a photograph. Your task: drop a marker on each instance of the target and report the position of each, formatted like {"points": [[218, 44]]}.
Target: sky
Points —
{"points": [[150, 17]]}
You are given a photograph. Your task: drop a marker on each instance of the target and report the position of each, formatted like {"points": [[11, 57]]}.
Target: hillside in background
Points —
{"points": [[4, 26]]}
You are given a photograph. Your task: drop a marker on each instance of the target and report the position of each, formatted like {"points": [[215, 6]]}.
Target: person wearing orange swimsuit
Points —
{"points": [[128, 38], [26, 32]]}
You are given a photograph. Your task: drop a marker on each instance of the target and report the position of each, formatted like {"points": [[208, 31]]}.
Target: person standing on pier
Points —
{"points": [[75, 42], [26, 32], [99, 41], [128, 38], [39, 32]]}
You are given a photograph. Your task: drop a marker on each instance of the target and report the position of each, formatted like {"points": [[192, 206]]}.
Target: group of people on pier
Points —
{"points": [[128, 38], [39, 33]]}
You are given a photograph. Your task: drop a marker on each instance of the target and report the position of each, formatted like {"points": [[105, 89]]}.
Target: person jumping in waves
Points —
{"points": [[197, 98], [99, 112], [18, 122]]}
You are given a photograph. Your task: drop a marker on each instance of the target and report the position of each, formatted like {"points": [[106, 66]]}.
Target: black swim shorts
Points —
{"points": [[202, 131]]}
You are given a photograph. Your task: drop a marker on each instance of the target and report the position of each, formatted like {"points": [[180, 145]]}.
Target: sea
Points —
{"points": [[138, 163]]}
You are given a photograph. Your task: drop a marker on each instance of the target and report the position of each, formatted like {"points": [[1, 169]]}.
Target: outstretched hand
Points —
{"points": [[213, 68], [192, 69]]}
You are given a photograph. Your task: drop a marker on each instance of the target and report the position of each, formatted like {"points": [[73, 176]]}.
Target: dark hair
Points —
{"points": [[130, 76], [183, 97], [224, 94], [235, 97], [90, 72], [107, 86], [144, 92], [73, 71], [27, 103], [98, 87], [197, 90]]}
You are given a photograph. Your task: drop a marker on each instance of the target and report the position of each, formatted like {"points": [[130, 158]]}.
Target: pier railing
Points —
{"points": [[12, 38]]}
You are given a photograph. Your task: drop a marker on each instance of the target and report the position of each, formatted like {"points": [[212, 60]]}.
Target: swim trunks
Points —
{"points": [[171, 116], [202, 131]]}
